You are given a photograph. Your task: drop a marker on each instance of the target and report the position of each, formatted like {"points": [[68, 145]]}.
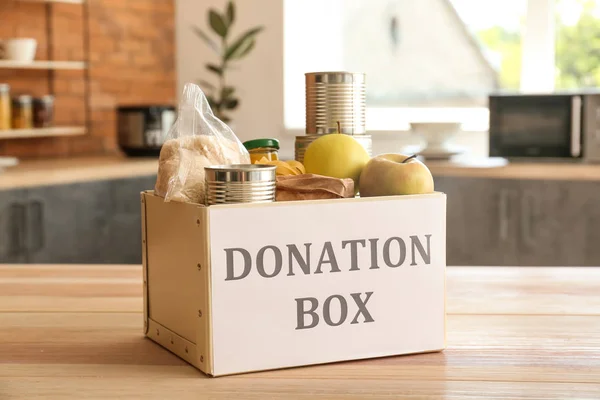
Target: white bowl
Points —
{"points": [[437, 135], [18, 49]]}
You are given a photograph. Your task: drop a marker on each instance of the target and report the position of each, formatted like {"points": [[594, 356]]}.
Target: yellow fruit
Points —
{"points": [[395, 174], [336, 155]]}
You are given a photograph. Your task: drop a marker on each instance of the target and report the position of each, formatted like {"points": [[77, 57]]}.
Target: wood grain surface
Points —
{"points": [[75, 332], [62, 171], [555, 171], [77, 169]]}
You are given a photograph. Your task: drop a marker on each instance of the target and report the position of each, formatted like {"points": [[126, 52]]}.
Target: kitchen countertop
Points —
{"points": [[75, 331], [62, 171], [570, 171], [70, 170]]}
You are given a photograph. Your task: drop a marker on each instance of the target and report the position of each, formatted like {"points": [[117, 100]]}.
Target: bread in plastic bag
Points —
{"points": [[197, 139]]}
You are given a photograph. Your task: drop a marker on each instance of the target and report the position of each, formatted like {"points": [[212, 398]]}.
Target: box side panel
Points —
{"points": [[445, 232], [204, 330], [144, 261], [173, 242], [327, 282], [176, 344]]}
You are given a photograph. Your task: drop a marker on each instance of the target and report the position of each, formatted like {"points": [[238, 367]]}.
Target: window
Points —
{"points": [[497, 26], [431, 60], [577, 44]]}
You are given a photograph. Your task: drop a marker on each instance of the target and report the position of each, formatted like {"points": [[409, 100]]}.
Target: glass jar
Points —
{"points": [[259, 148], [22, 112], [5, 107], [43, 111]]}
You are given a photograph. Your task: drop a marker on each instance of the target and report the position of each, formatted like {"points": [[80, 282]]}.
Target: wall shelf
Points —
{"points": [[52, 65], [43, 132], [55, 1], [48, 65]]}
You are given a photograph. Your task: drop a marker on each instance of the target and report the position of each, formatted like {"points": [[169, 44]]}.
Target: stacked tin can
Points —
{"points": [[243, 183], [332, 98]]}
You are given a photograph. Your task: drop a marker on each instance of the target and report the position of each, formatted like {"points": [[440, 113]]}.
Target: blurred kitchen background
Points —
{"points": [[88, 89]]}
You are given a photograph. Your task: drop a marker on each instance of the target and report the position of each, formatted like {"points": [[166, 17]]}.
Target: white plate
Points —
{"points": [[434, 154], [480, 162], [440, 155]]}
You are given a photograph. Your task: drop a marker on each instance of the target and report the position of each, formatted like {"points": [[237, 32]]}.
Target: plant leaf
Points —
{"points": [[206, 84], [217, 23], [211, 43], [239, 48], [232, 52], [227, 92], [230, 13], [245, 51], [240, 51], [215, 68], [214, 104], [231, 104]]}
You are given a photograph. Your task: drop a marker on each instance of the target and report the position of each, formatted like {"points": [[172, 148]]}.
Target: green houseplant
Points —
{"points": [[222, 96]]}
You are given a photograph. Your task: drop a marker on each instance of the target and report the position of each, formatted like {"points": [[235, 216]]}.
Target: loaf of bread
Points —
{"points": [[182, 161]]}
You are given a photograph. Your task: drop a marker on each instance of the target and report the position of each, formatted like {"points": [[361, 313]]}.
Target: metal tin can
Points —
{"points": [[333, 97], [302, 143], [240, 183]]}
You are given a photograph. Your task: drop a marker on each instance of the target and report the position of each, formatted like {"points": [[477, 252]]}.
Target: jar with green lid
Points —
{"points": [[22, 112], [259, 148], [5, 107]]}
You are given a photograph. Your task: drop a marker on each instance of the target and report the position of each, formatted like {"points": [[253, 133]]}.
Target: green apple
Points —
{"points": [[336, 155], [395, 174]]}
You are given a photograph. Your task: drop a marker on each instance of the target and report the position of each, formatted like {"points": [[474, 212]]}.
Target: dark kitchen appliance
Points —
{"points": [[559, 126], [142, 129]]}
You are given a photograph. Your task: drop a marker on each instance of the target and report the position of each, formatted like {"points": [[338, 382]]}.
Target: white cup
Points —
{"points": [[22, 49]]}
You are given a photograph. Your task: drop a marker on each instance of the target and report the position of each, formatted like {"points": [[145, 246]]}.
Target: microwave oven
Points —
{"points": [[551, 126]]}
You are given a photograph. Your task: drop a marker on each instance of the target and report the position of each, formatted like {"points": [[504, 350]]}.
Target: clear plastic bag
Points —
{"points": [[197, 139]]}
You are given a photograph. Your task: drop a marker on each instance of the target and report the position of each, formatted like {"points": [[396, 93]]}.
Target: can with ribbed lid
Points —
{"points": [[302, 143], [240, 183], [333, 97]]}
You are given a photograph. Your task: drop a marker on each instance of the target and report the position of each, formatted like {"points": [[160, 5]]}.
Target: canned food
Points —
{"points": [[43, 111], [333, 97], [5, 107], [22, 112], [240, 183], [302, 143], [262, 148]]}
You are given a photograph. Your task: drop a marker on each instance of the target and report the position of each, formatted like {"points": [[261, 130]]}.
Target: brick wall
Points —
{"points": [[131, 54]]}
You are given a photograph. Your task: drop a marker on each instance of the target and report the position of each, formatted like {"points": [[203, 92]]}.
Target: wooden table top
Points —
{"points": [[76, 332], [31, 173]]}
